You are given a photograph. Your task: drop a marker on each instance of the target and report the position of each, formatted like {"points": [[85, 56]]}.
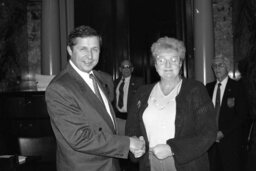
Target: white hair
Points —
{"points": [[225, 59]]}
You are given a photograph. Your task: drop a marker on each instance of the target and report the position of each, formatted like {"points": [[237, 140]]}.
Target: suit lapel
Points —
{"points": [[211, 88], [130, 90], [109, 103], [91, 97], [97, 105], [227, 90], [131, 85], [116, 82]]}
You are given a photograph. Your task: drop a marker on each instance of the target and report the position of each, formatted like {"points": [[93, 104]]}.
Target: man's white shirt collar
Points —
{"points": [[84, 75], [223, 82], [88, 80]]}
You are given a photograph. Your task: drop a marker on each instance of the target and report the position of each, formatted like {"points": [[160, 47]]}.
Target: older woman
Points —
{"points": [[175, 115]]}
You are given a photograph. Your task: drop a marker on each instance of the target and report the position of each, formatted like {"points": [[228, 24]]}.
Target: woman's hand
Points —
{"points": [[162, 151]]}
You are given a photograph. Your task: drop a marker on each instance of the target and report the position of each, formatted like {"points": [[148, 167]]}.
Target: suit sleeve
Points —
{"points": [[75, 127]]}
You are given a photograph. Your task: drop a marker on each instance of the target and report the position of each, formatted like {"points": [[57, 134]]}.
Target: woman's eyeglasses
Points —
{"points": [[172, 60]]}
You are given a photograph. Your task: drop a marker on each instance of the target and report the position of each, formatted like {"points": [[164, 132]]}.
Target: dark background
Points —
{"points": [[129, 27]]}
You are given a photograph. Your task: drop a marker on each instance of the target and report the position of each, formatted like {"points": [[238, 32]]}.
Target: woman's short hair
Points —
{"points": [[82, 31], [168, 43]]}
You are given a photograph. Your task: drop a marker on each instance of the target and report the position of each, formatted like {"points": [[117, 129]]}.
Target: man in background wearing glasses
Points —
{"points": [[125, 88]]}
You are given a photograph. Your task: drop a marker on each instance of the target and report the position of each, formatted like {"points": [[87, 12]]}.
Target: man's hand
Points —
{"points": [[137, 146], [162, 151], [220, 135]]}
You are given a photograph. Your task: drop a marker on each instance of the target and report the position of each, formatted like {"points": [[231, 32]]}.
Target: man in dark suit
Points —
{"points": [[229, 99], [125, 88], [81, 115]]}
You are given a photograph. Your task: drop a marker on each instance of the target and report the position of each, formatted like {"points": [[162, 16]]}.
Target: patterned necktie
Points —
{"points": [[96, 88], [121, 94], [217, 104]]}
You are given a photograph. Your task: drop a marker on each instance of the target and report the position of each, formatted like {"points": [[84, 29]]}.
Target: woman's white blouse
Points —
{"points": [[159, 116]]}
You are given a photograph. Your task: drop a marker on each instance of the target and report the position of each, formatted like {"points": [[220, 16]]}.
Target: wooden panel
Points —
{"points": [[42, 146], [25, 129], [23, 105], [129, 27]]}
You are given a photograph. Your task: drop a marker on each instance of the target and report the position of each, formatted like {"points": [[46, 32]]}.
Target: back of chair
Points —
{"points": [[8, 144], [44, 147], [8, 163], [24, 117]]}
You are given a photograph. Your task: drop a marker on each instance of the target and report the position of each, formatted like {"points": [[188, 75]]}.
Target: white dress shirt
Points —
{"points": [[159, 116], [89, 82], [222, 89]]}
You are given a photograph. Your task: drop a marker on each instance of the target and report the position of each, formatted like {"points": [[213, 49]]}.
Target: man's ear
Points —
{"points": [[69, 50]]}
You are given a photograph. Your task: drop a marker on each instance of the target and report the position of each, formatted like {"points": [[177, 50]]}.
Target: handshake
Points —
{"points": [[137, 146]]}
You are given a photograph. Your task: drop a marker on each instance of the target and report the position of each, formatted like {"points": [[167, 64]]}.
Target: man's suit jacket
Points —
{"points": [[233, 113], [86, 136], [135, 83]]}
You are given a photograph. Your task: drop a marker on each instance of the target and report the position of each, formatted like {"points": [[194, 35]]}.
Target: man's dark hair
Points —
{"points": [[82, 31]]}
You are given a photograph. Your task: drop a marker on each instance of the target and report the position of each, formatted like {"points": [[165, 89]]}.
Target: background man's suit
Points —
{"points": [[232, 116], [84, 130], [107, 81], [135, 83]]}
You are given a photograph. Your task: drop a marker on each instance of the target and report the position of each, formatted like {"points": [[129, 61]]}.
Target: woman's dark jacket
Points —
{"points": [[195, 126]]}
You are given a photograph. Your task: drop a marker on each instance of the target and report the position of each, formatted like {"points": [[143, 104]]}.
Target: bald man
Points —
{"points": [[125, 88]]}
